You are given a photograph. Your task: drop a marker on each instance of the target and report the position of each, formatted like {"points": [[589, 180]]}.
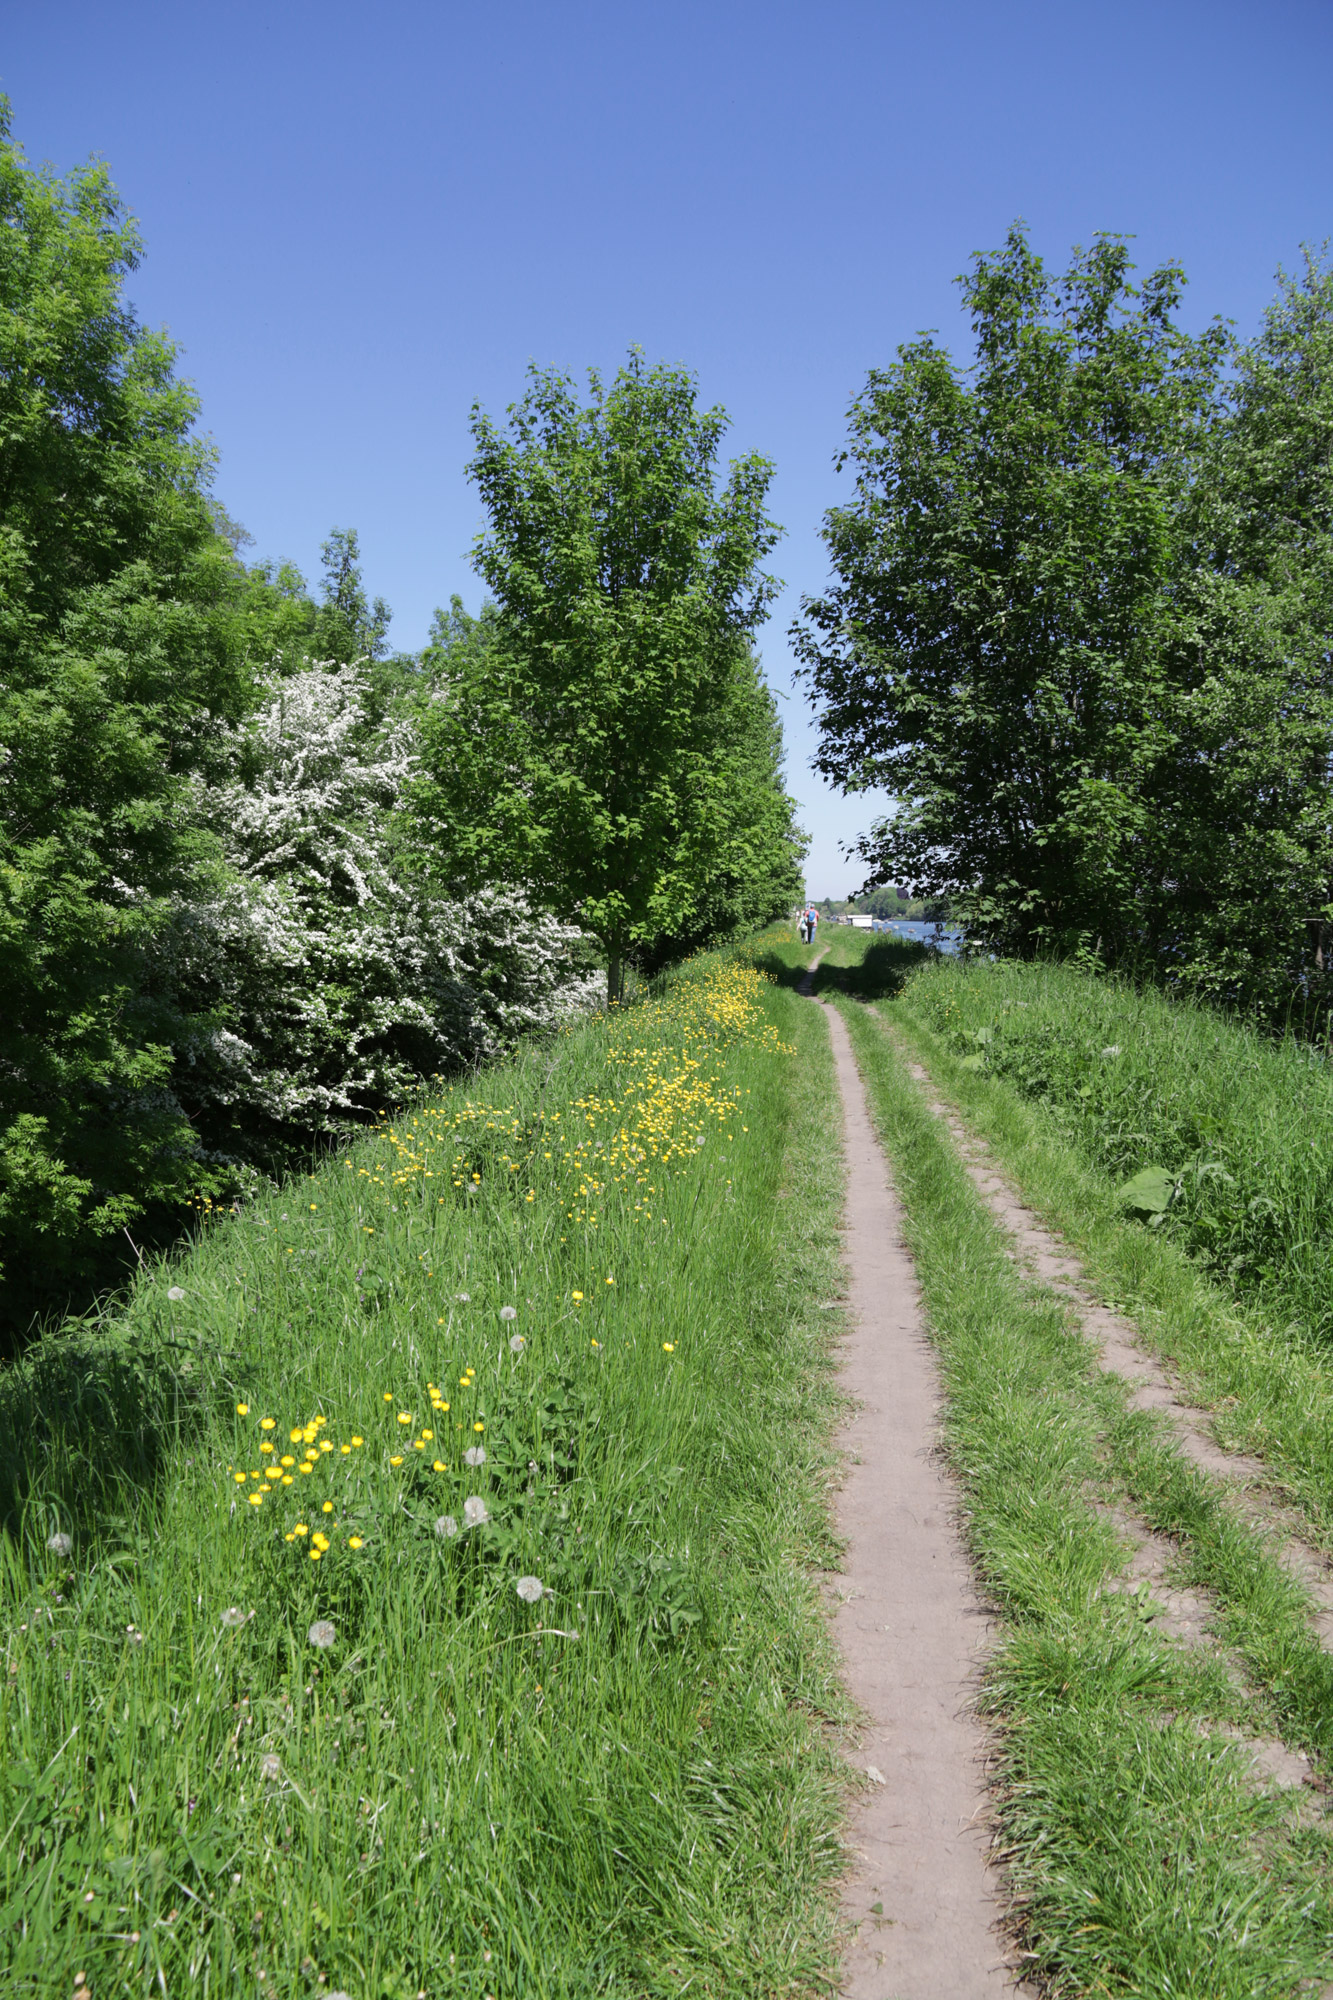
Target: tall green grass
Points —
{"points": [[1242, 1124], [609, 1254]]}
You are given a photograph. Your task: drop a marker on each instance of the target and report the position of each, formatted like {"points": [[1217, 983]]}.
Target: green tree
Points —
{"points": [[577, 751], [993, 649], [1242, 907], [347, 626], [755, 844], [120, 663]]}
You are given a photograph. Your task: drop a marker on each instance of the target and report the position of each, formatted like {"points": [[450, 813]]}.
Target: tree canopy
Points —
{"points": [[592, 747], [1079, 622]]}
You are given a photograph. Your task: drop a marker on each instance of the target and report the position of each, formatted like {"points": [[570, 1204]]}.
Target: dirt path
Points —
{"points": [[920, 1898]]}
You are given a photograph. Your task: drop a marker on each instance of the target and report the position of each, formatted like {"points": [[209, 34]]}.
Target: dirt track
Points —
{"points": [[910, 1628]]}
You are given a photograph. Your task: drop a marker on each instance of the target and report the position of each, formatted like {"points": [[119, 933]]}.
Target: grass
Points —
{"points": [[600, 1263], [1267, 1379], [1143, 1859], [1239, 1122]]}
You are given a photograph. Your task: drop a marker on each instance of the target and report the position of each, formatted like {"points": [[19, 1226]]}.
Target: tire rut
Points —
{"points": [[1120, 1352]]}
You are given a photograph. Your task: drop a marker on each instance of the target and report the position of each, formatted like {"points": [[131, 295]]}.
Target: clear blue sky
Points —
{"points": [[359, 219]]}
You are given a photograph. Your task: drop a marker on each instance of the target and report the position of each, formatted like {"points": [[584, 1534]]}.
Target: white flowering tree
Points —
{"points": [[324, 973]]}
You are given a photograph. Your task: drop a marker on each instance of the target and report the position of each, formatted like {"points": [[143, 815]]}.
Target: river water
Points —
{"points": [[945, 937]]}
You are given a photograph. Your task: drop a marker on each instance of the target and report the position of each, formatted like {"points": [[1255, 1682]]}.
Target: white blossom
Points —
{"points": [[337, 977]]}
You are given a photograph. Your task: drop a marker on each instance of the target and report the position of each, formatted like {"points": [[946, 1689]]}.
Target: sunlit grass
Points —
{"points": [[405, 1592]]}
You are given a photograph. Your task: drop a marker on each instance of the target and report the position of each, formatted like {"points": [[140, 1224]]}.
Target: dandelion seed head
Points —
{"points": [[446, 1526], [59, 1545], [516, 1343], [233, 1616], [475, 1511], [529, 1589], [475, 1455], [175, 1292], [322, 1634], [509, 1312], [271, 1766]]}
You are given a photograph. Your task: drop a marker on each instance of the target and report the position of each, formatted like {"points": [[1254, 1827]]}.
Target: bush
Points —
{"points": [[328, 974]]}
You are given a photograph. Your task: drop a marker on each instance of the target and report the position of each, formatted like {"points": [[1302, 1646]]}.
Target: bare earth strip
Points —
{"points": [[921, 1901]]}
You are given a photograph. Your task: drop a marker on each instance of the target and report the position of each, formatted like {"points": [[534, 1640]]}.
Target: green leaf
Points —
{"points": [[1150, 1192]]}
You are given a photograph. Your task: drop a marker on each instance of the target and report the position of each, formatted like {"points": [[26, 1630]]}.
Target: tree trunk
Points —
{"points": [[615, 977]]}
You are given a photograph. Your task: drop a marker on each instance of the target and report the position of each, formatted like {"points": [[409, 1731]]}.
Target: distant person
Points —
{"points": [[811, 923], [804, 928]]}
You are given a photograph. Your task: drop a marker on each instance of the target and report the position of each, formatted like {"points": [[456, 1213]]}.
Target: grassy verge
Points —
{"points": [[1143, 1859], [540, 1722], [1268, 1384], [1237, 1122]]}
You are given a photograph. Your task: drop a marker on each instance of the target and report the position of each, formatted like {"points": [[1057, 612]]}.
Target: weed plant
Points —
{"points": [[1270, 1390], [1238, 1123], [405, 1593]]}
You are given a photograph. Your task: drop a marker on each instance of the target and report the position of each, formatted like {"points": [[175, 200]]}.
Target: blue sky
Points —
{"points": [[361, 219]]}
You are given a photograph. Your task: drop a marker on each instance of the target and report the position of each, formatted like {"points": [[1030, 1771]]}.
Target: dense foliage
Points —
{"points": [[612, 745], [328, 972], [1080, 625], [120, 667], [220, 943]]}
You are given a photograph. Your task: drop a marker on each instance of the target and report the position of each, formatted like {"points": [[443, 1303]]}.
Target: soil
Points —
{"points": [[922, 1905]]}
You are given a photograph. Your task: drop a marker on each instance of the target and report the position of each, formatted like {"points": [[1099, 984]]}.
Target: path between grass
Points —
{"points": [[1120, 1352], [1184, 1614], [910, 1627]]}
